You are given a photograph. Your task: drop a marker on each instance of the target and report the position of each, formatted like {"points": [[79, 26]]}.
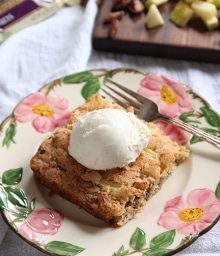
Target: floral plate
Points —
{"points": [[188, 206]]}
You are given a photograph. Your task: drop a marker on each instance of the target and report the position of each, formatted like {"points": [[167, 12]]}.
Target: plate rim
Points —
{"points": [[183, 246]]}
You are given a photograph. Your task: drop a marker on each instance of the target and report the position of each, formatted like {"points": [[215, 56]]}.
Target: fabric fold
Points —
{"points": [[58, 46]]}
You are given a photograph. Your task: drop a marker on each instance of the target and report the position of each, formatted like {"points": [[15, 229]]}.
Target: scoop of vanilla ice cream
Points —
{"points": [[108, 138]]}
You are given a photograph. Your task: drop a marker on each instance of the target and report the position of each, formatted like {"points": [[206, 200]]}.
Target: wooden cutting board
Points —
{"points": [[194, 42]]}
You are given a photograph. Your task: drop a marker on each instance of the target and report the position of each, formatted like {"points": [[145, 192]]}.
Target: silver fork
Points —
{"points": [[147, 110]]}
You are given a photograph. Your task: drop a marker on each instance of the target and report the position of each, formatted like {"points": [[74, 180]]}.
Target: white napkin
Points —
{"points": [[50, 49]]}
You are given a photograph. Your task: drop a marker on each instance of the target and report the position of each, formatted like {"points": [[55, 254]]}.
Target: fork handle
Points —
{"points": [[214, 140]]}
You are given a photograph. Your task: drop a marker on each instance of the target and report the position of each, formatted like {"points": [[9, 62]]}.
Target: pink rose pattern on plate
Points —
{"points": [[41, 221], [191, 214], [175, 133], [46, 112], [170, 95], [172, 99]]}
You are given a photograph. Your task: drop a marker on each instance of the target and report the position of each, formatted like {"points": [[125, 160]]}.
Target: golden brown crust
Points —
{"points": [[116, 195]]}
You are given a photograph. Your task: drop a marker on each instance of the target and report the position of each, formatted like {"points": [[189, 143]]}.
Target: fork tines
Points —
{"points": [[123, 96]]}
